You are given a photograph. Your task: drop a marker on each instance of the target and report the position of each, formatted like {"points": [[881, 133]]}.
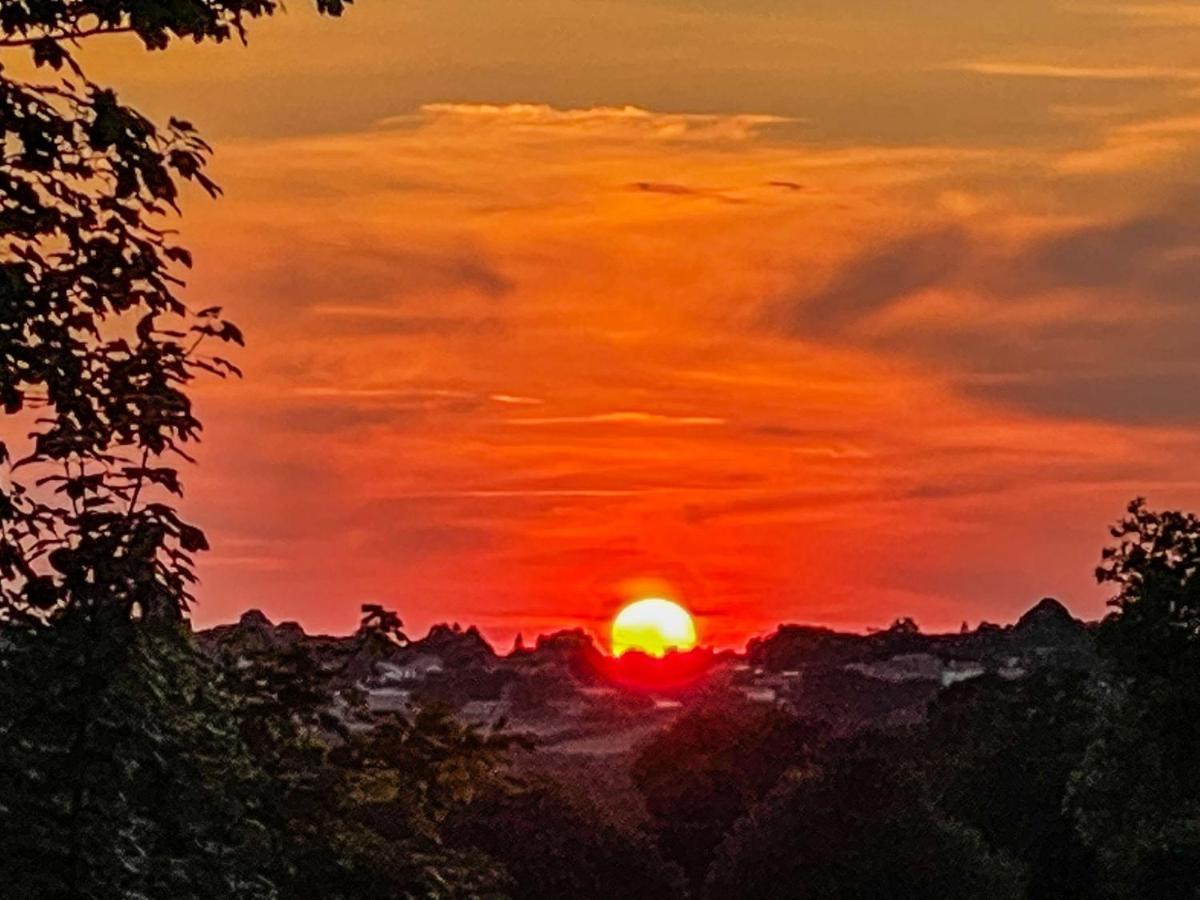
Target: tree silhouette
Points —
{"points": [[135, 788], [710, 767], [553, 847], [97, 353], [97, 347], [858, 825], [1136, 794], [999, 756]]}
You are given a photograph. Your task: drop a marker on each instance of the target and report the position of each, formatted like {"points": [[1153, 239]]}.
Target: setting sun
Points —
{"points": [[653, 626]]}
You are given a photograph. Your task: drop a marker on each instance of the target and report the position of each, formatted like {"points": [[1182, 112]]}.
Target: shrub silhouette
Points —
{"points": [[855, 826], [1136, 795], [706, 770], [553, 847], [999, 755]]}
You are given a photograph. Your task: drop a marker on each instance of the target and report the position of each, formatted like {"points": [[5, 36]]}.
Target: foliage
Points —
{"points": [[106, 710], [132, 766], [1137, 805], [96, 346], [351, 802], [553, 847], [857, 825], [1136, 795], [277, 787], [46, 27], [706, 770], [999, 756], [536, 692], [121, 770], [1153, 636]]}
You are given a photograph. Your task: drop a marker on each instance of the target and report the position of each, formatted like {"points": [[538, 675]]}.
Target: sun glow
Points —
{"points": [[653, 626]]}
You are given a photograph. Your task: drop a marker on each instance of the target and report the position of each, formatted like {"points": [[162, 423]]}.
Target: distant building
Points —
{"points": [[1012, 669], [595, 691], [961, 670], [418, 668], [389, 699], [759, 694], [906, 667], [483, 712]]}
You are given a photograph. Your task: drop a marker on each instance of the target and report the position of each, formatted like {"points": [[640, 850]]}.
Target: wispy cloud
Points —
{"points": [[1133, 145], [516, 400], [1076, 73], [1094, 320], [880, 276], [362, 271], [1157, 14], [513, 493], [383, 393], [620, 418], [384, 320], [408, 393], [682, 190], [596, 122]]}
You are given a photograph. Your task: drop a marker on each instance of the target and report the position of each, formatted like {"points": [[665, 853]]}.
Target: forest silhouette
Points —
{"points": [[140, 759]]}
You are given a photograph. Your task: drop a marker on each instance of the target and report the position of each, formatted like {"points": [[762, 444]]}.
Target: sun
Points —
{"points": [[653, 626]]}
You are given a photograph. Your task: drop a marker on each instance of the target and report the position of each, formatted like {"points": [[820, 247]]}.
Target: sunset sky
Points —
{"points": [[831, 312]]}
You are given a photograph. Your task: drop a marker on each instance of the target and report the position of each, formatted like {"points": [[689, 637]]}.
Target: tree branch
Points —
{"points": [[72, 36]]}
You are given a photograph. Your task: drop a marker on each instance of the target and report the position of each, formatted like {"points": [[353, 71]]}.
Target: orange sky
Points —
{"points": [[828, 312]]}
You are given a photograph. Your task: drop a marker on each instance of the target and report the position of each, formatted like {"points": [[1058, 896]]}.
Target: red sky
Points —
{"points": [[829, 312]]}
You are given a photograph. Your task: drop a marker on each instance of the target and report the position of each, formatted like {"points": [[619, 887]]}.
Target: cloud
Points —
{"points": [[1099, 320], [621, 418], [680, 190], [1077, 73], [506, 494], [833, 451], [1139, 397], [386, 532], [789, 504], [362, 272], [874, 280], [664, 187], [598, 122], [330, 408], [517, 400], [1155, 256], [330, 416], [1166, 15], [421, 396], [344, 409], [377, 320], [1134, 145]]}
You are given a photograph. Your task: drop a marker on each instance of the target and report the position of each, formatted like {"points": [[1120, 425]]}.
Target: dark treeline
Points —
{"points": [[137, 762]]}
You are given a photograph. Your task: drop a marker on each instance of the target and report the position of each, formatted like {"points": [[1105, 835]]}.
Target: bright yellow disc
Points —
{"points": [[653, 626]]}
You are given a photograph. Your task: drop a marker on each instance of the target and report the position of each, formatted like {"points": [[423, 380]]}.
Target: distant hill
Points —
{"points": [[1046, 634], [566, 690]]}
